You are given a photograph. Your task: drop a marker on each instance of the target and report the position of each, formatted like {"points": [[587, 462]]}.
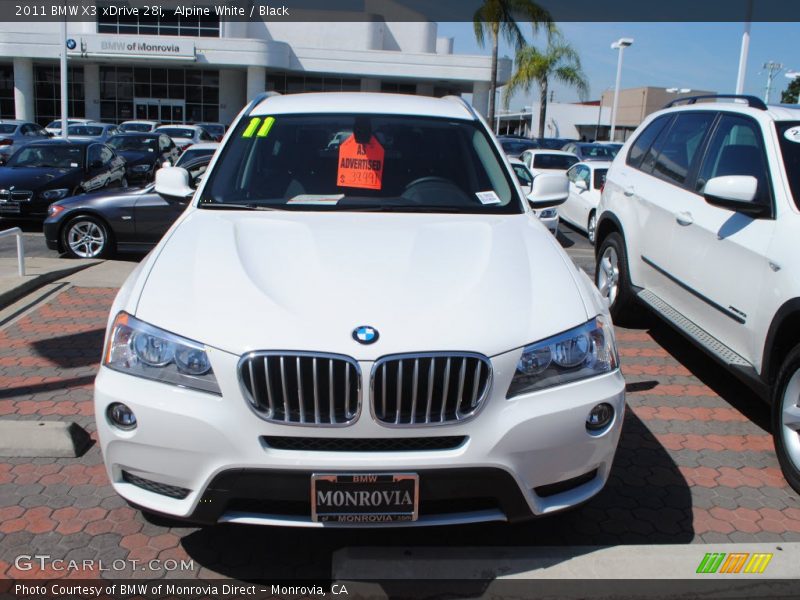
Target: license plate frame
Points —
{"points": [[10, 207], [372, 484]]}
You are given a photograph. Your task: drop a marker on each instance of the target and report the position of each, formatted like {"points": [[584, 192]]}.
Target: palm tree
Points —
{"points": [[497, 17], [559, 62]]}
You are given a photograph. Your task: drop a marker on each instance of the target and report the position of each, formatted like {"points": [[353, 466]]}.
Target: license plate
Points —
{"points": [[9, 207], [364, 498]]}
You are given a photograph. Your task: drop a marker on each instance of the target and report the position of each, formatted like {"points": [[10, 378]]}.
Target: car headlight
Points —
{"points": [[586, 351], [140, 349], [55, 209], [55, 194], [141, 168]]}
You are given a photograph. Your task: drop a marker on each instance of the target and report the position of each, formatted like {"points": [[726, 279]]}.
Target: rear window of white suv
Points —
{"points": [[789, 139], [388, 163]]}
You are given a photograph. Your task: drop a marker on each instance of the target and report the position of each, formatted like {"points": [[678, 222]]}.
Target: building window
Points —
{"points": [[295, 84], [392, 87], [167, 95], [47, 92], [7, 92], [169, 24]]}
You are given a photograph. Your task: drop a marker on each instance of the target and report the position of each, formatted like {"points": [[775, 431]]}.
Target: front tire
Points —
{"points": [[87, 237], [613, 280], [786, 418]]}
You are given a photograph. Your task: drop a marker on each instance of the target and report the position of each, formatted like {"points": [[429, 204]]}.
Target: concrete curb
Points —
{"points": [[12, 288], [668, 561], [42, 439]]}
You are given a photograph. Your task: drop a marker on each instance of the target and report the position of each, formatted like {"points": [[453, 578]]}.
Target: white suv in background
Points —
{"points": [[700, 221]]}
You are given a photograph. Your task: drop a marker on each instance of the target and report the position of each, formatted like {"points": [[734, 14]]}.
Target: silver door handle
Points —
{"points": [[684, 218], [628, 191]]}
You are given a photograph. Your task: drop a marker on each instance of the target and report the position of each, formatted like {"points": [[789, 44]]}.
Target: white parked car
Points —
{"points": [[548, 161], [548, 216], [377, 333], [586, 180], [185, 135], [54, 127], [138, 126], [699, 221]]}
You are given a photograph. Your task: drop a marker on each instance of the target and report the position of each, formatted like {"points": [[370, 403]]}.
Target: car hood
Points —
{"points": [[32, 178], [137, 158], [304, 281]]}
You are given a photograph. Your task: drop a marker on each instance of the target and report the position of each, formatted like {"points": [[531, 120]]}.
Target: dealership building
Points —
{"points": [[204, 68]]}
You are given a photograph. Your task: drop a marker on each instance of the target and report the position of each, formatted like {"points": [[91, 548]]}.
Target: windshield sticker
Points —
{"points": [[792, 134], [265, 127], [251, 127], [318, 199], [360, 165], [488, 197]]}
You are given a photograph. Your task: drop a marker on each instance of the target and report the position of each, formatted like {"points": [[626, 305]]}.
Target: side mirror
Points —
{"points": [[173, 182], [581, 185], [548, 190], [736, 193]]}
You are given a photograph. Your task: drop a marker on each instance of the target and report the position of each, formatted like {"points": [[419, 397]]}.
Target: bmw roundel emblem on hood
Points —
{"points": [[364, 334]]}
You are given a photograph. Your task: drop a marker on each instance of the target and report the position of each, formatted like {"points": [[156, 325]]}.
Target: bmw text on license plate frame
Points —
{"points": [[364, 498]]}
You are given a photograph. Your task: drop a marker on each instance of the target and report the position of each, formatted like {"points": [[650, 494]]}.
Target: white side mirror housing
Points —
{"points": [[739, 188], [174, 182], [548, 189]]}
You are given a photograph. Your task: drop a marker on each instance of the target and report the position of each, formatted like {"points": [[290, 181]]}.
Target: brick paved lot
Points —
{"points": [[695, 464]]}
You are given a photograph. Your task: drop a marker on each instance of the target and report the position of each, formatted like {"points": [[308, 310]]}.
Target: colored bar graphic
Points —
{"points": [[757, 563], [251, 127], [265, 127], [716, 562], [734, 562]]}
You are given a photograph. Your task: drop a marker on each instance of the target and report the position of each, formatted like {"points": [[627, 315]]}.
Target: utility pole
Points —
{"points": [[773, 69]]}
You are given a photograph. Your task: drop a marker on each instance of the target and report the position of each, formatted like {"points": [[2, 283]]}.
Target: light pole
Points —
{"points": [[620, 45], [744, 49], [64, 105], [773, 69]]}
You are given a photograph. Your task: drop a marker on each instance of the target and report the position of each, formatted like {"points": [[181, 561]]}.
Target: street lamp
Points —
{"points": [[620, 45]]}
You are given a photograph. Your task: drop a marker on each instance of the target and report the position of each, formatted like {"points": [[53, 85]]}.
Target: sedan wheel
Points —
{"points": [[786, 418], [591, 227], [86, 237], [608, 275], [613, 280]]}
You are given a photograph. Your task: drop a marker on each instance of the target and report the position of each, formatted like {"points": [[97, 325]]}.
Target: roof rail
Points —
{"points": [[751, 100], [258, 99]]}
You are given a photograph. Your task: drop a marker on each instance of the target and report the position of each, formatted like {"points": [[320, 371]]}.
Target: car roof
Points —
{"points": [[181, 125], [76, 141], [140, 134], [203, 146], [775, 112], [363, 103], [516, 161], [140, 121], [94, 124], [534, 151], [594, 164], [13, 122]]}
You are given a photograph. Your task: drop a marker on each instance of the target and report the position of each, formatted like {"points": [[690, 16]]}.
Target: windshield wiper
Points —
{"points": [[230, 206], [405, 209]]}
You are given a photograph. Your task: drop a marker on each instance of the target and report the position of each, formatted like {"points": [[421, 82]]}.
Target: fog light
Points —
{"points": [[599, 417], [121, 416]]}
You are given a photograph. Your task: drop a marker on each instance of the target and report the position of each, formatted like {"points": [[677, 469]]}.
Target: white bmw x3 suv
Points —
{"points": [[372, 332], [699, 221]]}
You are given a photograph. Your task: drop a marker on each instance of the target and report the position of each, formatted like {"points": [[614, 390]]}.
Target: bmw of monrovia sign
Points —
{"points": [[136, 47]]}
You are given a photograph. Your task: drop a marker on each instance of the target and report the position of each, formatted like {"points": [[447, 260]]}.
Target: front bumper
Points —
{"points": [[28, 209], [204, 457]]}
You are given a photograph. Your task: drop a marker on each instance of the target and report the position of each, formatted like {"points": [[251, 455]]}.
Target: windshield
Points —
{"points": [[133, 143], [390, 163], [174, 132], [53, 156], [84, 130], [191, 154], [6, 128], [789, 139], [553, 161], [57, 124], [136, 127], [597, 152], [217, 130]]}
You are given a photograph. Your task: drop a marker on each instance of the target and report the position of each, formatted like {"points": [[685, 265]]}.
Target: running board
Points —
{"points": [[700, 336]]}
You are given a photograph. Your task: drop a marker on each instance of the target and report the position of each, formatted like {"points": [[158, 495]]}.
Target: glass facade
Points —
{"points": [[169, 24], [47, 91], [294, 84], [7, 92], [168, 95]]}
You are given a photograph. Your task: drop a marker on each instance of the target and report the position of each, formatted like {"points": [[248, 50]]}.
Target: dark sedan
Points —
{"points": [[145, 153], [42, 172], [132, 220]]}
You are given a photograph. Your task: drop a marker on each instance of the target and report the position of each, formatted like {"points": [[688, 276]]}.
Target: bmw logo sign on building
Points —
{"points": [[365, 334], [71, 44]]}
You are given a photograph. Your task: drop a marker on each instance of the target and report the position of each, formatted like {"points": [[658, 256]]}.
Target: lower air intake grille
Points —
{"points": [[365, 444], [173, 491], [429, 389], [302, 388]]}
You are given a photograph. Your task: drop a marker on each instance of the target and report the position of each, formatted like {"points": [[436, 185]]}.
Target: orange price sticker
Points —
{"points": [[360, 165]]}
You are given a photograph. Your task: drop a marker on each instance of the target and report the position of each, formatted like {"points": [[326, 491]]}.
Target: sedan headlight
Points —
{"points": [[55, 194], [140, 349], [580, 353], [141, 168], [548, 213]]}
